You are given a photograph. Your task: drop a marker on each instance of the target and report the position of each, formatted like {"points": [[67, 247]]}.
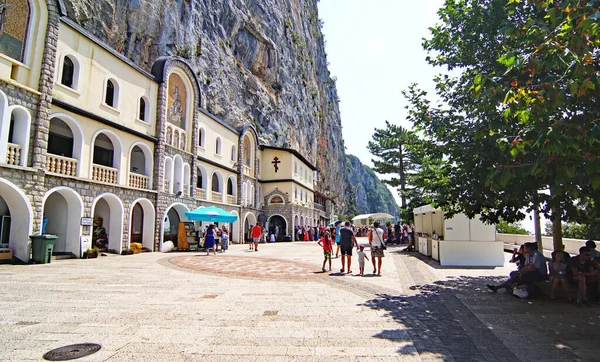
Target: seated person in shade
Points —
{"points": [[557, 269], [518, 257], [580, 272], [535, 270]]}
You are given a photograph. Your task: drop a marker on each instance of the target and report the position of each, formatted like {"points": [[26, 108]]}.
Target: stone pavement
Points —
{"points": [[277, 305]]}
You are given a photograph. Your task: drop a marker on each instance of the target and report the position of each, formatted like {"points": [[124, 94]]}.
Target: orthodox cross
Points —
{"points": [[275, 163]]}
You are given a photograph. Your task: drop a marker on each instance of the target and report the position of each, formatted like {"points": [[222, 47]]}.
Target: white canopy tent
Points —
{"points": [[364, 218]]}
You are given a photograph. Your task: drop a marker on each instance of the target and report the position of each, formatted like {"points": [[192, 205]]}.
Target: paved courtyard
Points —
{"points": [[277, 305]]}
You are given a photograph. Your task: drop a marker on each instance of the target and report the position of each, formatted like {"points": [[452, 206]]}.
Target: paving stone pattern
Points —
{"points": [[276, 305]]}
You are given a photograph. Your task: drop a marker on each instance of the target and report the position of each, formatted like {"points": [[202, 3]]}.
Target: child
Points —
{"points": [[325, 243], [361, 259], [558, 272]]}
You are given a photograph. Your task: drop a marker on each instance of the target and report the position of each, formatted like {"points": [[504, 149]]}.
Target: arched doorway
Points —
{"points": [[14, 203], [249, 221], [174, 214], [62, 210], [234, 232], [277, 225], [142, 223], [107, 232]]}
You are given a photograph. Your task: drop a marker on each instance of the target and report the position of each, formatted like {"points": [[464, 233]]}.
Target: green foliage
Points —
{"points": [[505, 227], [522, 115], [575, 231], [184, 51]]}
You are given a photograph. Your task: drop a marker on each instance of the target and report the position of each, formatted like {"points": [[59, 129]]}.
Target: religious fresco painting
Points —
{"points": [[14, 22], [177, 101]]}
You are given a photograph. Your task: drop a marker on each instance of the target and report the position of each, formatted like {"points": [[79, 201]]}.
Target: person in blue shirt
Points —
{"points": [[535, 269]]}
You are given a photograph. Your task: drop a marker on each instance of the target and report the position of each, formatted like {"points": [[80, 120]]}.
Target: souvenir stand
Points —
{"points": [[462, 241]]}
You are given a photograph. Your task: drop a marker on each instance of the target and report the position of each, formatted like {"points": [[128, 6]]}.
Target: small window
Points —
{"points": [[199, 180], [232, 153], [215, 183], [68, 73], [229, 187], [142, 115], [11, 128], [201, 137], [110, 93], [218, 146]]}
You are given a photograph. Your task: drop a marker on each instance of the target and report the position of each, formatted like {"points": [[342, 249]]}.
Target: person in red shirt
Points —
{"points": [[256, 232], [326, 243]]}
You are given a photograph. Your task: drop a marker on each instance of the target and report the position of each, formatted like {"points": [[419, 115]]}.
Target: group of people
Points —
{"points": [[344, 238], [210, 236], [581, 271]]}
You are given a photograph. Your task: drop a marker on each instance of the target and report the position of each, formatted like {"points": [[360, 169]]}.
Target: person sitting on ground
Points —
{"points": [[518, 257], [535, 270], [581, 273], [591, 244], [557, 269]]}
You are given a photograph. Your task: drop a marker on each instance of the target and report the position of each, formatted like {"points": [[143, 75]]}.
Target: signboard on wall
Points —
{"points": [[87, 221]]}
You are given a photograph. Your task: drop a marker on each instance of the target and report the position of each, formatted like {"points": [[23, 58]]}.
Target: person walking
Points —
{"points": [[256, 233], [224, 239], [209, 240], [326, 243], [376, 242], [361, 259], [347, 242]]}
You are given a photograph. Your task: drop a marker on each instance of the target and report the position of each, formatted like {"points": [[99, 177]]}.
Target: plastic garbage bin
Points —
{"points": [[41, 247]]}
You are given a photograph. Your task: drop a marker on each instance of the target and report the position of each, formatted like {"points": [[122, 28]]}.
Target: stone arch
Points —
{"points": [[277, 192], [18, 206], [148, 161], [77, 133], [249, 220], [234, 235], [117, 152], [147, 224], [63, 208], [109, 207], [180, 210], [278, 220]]}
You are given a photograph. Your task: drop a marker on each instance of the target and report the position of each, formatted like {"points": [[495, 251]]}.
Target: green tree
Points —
{"points": [[391, 147], [504, 227], [521, 116]]}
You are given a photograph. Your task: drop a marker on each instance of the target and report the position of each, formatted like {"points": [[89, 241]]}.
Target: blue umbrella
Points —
{"points": [[212, 214]]}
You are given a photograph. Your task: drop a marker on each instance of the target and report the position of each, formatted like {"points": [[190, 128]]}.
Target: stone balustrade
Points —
{"points": [[200, 194], [13, 154], [138, 181], [231, 199], [248, 171], [61, 165], [104, 174], [216, 196]]}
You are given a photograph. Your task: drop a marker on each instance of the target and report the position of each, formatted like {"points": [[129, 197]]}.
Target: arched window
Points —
{"points": [[142, 112], [199, 182], [218, 146], [112, 93], [14, 24], [68, 73], [232, 153], [215, 183], [229, 187], [276, 200], [201, 137], [247, 152]]}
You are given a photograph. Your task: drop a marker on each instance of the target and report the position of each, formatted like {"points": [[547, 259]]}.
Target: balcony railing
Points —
{"points": [[216, 196], [230, 199], [61, 165], [248, 171], [138, 181], [320, 207], [104, 174], [200, 194], [13, 154]]}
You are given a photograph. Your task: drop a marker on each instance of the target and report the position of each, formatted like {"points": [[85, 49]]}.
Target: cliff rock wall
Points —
{"points": [[260, 61], [365, 193]]}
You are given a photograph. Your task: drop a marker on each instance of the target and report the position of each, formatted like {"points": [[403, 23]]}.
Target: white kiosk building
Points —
{"points": [[460, 241]]}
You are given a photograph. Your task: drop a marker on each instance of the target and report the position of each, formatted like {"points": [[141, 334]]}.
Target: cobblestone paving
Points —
{"points": [[275, 305]]}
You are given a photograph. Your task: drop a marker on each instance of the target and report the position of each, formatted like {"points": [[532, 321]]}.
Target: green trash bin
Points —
{"points": [[41, 247]]}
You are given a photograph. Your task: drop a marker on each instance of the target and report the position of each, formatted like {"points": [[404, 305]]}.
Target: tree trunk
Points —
{"points": [[402, 176], [537, 227], [556, 223]]}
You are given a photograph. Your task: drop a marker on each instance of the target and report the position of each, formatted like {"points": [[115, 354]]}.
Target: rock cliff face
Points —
{"points": [[260, 61], [365, 193]]}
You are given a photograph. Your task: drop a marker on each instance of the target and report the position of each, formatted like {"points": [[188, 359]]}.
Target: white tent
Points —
{"points": [[364, 218]]}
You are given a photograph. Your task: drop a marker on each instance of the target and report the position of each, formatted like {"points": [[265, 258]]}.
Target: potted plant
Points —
{"points": [[91, 253]]}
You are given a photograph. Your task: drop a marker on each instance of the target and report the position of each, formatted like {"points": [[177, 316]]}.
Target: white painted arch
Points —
{"points": [[63, 207], [20, 229], [77, 132], [181, 210], [115, 219], [234, 235], [149, 222], [148, 160], [117, 152]]}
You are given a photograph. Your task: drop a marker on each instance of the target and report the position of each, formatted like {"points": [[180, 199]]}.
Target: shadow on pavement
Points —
{"points": [[461, 320]]}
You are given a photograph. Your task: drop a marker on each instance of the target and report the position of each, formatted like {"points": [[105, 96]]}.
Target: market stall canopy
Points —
{"points": [[363, 219], [212, 214]]}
